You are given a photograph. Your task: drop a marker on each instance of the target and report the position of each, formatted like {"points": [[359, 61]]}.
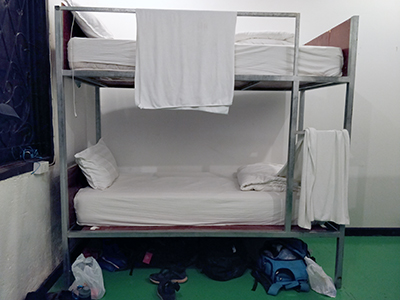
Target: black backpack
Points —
{"points": [[42, 295], [281, 265], [223, 259]]}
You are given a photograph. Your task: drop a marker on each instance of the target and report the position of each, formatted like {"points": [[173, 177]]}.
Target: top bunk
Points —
{"points": [[263, 61]]}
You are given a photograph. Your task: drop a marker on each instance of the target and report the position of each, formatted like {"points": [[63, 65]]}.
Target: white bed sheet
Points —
{"points": [[250, 58], [181, 198]]}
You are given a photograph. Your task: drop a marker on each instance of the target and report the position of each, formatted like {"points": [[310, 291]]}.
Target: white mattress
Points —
{"points": [[250, 58], [181, 198]]}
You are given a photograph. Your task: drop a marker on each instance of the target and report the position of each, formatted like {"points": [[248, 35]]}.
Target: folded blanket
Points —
{"points": [[185, 59], [324, 180], [261, 177]]}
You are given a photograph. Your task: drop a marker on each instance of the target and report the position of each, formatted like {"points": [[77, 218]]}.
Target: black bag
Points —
{"points": [[162, 252], [112, 258], [281, 265], [223, 259], [42, 295]]}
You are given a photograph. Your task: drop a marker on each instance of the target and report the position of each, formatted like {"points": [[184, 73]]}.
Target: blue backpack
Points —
{"points": [[281, 265]]}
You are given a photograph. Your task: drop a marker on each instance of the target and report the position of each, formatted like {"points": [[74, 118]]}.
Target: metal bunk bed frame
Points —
{"points": [[296, 84]]}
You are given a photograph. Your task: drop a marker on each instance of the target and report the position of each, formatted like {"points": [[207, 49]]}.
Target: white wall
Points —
{"points": [[168, 138], [29, 233]]}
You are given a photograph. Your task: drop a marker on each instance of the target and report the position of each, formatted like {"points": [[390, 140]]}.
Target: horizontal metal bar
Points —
{"points": [[255, 78], [268, 14], [322, 79], [99, 73], [133, 11], [96, 9], [199, 233]]}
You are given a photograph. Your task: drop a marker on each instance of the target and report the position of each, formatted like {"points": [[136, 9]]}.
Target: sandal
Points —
{"points": [[173, 274]]}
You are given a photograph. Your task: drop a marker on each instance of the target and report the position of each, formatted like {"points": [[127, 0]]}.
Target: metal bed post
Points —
{"points": [[292, 130], [97, 113], [62, 144], [302, 104], [351, 72], [339, 257]]}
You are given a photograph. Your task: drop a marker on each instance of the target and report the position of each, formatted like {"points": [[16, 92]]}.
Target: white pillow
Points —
{"points": [[99, 165], [88, 22]]}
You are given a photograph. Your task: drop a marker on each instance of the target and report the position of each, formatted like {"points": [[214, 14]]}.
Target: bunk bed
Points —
{"points": [[73, 181]]}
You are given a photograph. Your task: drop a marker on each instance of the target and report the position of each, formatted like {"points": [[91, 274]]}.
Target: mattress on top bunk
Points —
{"points": [[178, 198], [260, 58]]}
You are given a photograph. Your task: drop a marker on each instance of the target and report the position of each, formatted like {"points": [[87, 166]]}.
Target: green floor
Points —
{"points": [[371, 271]]}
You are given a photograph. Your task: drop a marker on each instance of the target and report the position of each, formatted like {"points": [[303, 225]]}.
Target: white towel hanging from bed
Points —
{"points": [[185, 59], [324, 180]]}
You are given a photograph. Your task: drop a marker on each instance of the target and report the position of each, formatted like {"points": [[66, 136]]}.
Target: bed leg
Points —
{"points": [[67, 267], [339, 257]]}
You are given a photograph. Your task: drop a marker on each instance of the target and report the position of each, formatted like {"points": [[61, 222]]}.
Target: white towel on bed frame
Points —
{"points": [[324, 181], [185, 59]]}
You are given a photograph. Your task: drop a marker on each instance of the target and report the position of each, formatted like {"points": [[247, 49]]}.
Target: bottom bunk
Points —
{"points": [[186, 202], [187, 198], [248, 214]]}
